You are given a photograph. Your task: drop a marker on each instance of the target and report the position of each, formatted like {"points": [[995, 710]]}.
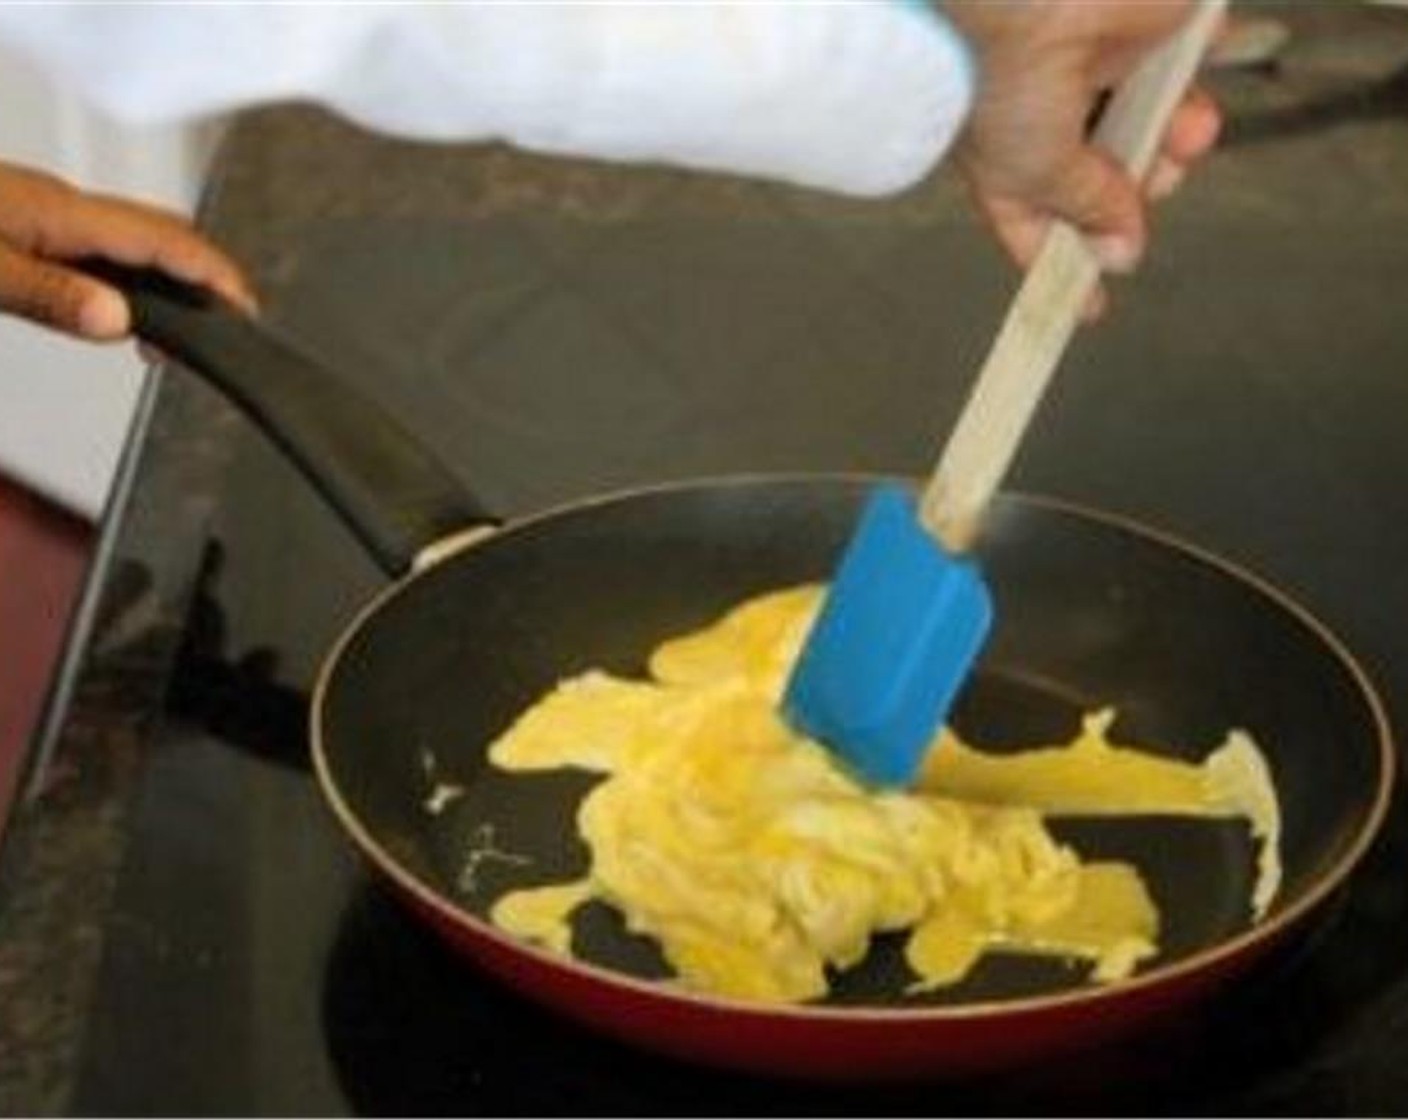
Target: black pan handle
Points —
{"points": [[390, 489]]}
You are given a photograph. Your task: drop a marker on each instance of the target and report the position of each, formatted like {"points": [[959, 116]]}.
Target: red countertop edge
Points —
{"points": [[44, 551]]}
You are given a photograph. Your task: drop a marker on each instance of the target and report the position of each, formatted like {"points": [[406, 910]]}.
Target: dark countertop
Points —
{"points": [[591, 327]]}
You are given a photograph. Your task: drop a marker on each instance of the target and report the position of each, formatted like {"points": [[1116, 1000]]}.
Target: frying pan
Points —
{"points": [[480, 619]]}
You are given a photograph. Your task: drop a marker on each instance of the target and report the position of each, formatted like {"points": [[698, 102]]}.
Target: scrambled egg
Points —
{"points": [[759, 863]]}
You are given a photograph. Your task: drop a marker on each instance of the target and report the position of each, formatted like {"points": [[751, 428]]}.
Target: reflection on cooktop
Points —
{"points": [[284, 981], [239, 699], [412, 1030]]}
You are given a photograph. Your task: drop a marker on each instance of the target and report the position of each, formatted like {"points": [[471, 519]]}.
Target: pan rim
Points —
{"points": [[1158, 977]]}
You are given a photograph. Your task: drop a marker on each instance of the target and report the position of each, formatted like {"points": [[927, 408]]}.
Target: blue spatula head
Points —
{"points": [[901, 627]]}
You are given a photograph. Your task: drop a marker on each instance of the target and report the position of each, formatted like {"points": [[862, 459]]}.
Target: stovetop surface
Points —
{"points": [[255, 967]]}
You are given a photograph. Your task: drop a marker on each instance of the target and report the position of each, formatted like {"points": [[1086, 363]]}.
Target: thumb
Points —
{"points": [[1095, 194], [57, 297]]}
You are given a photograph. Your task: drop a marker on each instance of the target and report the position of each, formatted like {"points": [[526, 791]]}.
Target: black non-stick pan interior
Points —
{"points": [[1090, 613]]}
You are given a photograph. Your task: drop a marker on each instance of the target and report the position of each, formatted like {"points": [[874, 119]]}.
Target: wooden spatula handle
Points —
{"points": [[1047, 307]]}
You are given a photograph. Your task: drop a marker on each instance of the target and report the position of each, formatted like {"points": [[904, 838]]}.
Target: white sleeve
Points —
{"points": [[862, 98]]}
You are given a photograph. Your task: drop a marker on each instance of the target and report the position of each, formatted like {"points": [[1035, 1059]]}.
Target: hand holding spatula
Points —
{"points": [[908, 610]]}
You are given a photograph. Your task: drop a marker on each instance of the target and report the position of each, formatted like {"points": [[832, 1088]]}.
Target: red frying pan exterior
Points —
{"points": [[830, 1044], [359, 716]]}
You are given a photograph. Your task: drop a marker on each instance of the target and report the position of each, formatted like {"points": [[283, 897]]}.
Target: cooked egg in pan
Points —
{"points": [[761, 865]]}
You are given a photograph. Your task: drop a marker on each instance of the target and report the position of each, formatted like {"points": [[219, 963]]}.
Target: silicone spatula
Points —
{"points": [[908, 610]]}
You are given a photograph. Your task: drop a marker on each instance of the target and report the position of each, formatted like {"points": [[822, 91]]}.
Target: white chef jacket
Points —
{"points": [[861, 98]]}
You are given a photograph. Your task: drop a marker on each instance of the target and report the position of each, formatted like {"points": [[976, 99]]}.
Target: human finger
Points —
{"points": [[1022, 232], [142, 236], [1193, 130], [1165, 179], [1019, 228], [58, 297], [1095, 194], [183, 251]]}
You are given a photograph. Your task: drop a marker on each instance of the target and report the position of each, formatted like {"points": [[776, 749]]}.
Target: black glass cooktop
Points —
{"points": [[255, 967]]}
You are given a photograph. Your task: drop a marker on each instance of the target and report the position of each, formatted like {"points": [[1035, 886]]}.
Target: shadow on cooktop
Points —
{"points": [[412, 1030], [237, 699], [1386, 99]]}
